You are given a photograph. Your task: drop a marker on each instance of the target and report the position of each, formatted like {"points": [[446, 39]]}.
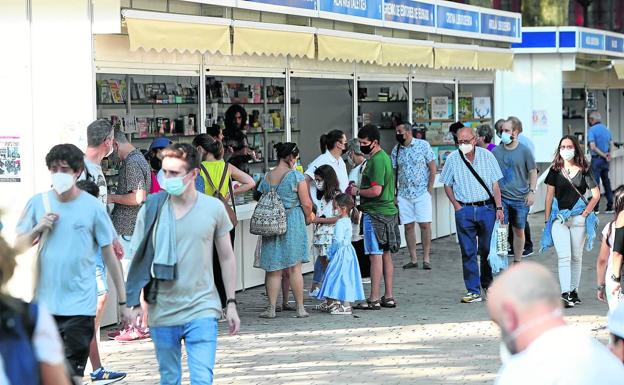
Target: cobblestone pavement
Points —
{"points": [[431, 338]]}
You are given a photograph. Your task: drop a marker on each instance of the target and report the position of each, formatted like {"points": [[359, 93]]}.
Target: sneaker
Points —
{"points": [[314, 293], [574, 297], [609, 210], [103, 376], [471, 298], [132, 334], [527, 253], [366, 280], [567, 300], [114, 333]]}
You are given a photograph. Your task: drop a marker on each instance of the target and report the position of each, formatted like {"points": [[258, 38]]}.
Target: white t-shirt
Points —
{"points": [[563, 356], [337, 164], [96, 175]]}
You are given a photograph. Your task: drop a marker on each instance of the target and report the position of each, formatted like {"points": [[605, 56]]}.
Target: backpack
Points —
{"points": [[17, 327], [269, 216]]}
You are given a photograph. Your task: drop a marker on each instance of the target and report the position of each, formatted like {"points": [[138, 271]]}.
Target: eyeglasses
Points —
{"points": [[467, 141], [570, 147]]}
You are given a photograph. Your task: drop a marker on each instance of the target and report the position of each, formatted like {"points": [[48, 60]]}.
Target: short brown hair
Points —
{"points": [[516, 124], [185, 152]]}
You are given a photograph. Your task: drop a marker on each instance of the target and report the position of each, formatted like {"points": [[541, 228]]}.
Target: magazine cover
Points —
{"points": [[465, 107], [420, 110], [439, 107], [482, 107]]}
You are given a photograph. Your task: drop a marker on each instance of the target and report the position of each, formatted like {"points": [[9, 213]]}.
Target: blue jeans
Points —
{"points": [[319, 271], [475, 222], [600, 169], [516, 213], [371, 245], [200, 340]]}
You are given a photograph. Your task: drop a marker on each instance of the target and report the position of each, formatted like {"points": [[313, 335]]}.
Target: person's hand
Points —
{"points": [[601, 294], [608, 157], [500, 216], [46, 223], [118, 249], [457, 207], [430, 190], [529, 200], [128, 315], [616, 290], [355, 191], [231, 315]]}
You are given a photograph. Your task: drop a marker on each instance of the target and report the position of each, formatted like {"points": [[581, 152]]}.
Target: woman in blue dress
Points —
{"points": [[290, 250], [343, 281]]}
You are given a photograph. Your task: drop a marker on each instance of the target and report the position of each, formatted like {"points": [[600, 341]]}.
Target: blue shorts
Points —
{"points": [[100, 275], [516, 213], [371, 246]]}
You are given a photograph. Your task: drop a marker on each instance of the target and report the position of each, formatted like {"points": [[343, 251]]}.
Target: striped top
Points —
{"points": [[465, 186]]}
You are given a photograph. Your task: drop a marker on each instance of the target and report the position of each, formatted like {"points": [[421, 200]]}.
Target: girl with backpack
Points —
{"points": [[288, 248]]}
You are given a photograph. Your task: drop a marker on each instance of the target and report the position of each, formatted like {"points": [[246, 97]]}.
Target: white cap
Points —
{"points": [[616, 321]]}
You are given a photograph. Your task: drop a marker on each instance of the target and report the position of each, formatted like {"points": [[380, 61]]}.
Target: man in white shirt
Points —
{"points": [[525, 303], [333, 146]]}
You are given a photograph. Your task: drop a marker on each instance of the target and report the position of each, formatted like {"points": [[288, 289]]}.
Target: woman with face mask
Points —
{"points": [[570, 219]]}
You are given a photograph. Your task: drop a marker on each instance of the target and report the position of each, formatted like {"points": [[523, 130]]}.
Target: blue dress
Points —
{"points": [[286, 250], [342, 277]]}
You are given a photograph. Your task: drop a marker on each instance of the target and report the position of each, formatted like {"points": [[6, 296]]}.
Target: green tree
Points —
{"points": [[538, 13]]}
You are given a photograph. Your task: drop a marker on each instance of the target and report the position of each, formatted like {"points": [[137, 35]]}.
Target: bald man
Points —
{"points": [[477, 206], [525, 303]]}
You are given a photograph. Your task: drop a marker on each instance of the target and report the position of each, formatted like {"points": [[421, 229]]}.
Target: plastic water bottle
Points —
{"points": [[501, 240]]}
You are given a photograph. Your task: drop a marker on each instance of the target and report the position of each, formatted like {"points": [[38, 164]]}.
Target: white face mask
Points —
{"points": [[62, 182], [337, 212], [466, 148], [567, 154], [320, 185], [109, 151]]}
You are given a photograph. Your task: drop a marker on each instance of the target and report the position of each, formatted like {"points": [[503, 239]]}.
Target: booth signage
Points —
{"points": [[591, 40], [409, 12], [305, 4], [370, 9], [458, 19], [492, 24], [614, 44]]}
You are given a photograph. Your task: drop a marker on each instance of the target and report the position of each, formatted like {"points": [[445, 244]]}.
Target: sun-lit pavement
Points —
{"points": [[430, 338]]}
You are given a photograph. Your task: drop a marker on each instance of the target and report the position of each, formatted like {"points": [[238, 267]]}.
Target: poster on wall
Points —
{"points": [[439, 107], [10, 159], [539, 123]]}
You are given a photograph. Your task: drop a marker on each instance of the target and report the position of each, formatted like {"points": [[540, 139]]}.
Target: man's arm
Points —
{"points": [[26, 240], [433, 169], [451, 196], [227, 260], [116, 273], [530, 198], [500, 215], [135, 198]]}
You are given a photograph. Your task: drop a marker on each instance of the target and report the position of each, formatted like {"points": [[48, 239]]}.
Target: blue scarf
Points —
{"points": [[591, 223], [165, 256]]}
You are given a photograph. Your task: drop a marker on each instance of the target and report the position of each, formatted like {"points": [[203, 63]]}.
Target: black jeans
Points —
{"points": [[363, 259], [76, 332], [216, 271]]}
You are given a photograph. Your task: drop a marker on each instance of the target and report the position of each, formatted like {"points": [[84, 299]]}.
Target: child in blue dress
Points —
{"points": [[343, 283]]}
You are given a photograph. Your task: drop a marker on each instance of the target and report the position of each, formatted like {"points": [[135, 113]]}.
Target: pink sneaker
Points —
{"points": [[132, 334], [114, 333]]}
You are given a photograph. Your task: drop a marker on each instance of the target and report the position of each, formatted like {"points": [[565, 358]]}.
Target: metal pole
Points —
{"points": [[456, 112], [410, 97], [202, 127], [287, 104], [355, 101]]}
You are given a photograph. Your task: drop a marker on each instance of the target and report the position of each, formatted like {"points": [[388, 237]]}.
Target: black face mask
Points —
{"points": [[400, 138], [366, 149]]}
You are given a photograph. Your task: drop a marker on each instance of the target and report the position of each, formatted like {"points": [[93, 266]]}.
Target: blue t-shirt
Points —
{"points": [[601, 136], [67, 285]]}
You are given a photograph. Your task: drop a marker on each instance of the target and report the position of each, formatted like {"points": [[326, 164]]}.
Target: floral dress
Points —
{"points": [[323, 233]]}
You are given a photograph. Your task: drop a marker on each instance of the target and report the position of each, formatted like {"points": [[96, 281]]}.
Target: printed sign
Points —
{"points": [[370, 9], [592, 40], [305, 4], [458, 19], [614, 44], [10, 159], [540, 123], [409, 12], [499, 25]]}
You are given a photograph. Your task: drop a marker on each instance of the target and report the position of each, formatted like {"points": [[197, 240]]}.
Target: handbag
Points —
{"points": [[231, 210], [269, 216], [474, 173], [42, 240]]}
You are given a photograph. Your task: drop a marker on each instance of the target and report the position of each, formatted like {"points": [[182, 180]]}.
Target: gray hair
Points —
{"points": [[120, 136], [353, 145], [595, 116], [98, 131]]}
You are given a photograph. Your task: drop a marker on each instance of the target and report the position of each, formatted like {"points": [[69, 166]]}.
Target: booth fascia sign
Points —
{"points": [[431, 16]]}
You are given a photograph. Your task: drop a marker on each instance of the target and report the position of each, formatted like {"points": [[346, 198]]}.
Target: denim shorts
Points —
{"points": [[100, 275], [516, 213], [371, 246]]}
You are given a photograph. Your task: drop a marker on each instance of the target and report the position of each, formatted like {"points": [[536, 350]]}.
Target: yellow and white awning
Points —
{"points": [[495, 59], [349, 47], [618, 66], [273, 40], [407, 52], [455, 56]]}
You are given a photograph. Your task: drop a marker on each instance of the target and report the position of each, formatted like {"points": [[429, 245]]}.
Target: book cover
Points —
{"points": [[439, 107], [420, 110], [115, 91], [465, 108], [483, 107], [104, 92]]}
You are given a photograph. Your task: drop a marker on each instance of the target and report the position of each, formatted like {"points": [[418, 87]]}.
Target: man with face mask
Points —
{"points": [[174, 237], [415, 161], [71, 226], [518, 184], [537, 345], [477, 206]]}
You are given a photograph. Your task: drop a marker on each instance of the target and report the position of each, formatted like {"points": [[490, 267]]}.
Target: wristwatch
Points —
{"points": [[499, 208], [231, 300], [614, 278], [601, 287], [532, 191]]}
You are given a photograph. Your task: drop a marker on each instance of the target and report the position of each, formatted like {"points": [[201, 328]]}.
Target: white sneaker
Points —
{"points": [[314, 293], [366, 280]]}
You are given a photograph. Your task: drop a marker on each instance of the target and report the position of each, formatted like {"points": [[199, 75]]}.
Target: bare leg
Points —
{"points": [[376, 273], [388, 273], [296, 283], [425, 236], [94, 352], [518, 244], [285, 286], [410, 236], [272, 281]]}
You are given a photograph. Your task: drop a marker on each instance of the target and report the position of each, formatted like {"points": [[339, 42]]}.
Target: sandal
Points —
{"points": [[368, 305], [288, 307], [301, 312], [388, 302], [342, 310], [324, 306], [410, 265], [426, 265], [268, 313]]}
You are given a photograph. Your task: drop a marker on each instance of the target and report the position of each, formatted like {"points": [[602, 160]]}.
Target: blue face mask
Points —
{"points": [[175, 185], [506, 138]]}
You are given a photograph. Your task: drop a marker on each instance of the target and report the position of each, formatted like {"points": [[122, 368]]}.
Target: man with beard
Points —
{"points": [[538, 347]]}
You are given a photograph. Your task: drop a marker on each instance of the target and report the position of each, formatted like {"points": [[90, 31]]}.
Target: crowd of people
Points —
{"points": [[168, 242]]}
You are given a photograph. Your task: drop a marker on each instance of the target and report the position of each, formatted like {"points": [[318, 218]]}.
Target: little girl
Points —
{"points": [[327, 187], [343, 281]]}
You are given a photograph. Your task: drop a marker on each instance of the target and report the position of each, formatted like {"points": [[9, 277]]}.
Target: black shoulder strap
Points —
{"points": [[474, 173], [396, 172], [566, 175]]}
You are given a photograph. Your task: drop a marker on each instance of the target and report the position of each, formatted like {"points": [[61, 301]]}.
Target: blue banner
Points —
{"points": [[614, 44], [499, 25], [592, 40], [305, 4], [370, 9], [458, 19], [409, 12]]}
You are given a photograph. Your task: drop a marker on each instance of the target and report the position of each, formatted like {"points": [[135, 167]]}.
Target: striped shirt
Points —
{"points": [[465, 186]]}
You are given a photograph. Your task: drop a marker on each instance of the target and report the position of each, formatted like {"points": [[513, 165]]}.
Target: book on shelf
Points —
{"points": [[482, 107], [420, 109], [104, 92], [465, 107], [115, 90], [439, 107]]}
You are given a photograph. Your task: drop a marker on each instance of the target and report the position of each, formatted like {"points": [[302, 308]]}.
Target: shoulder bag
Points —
{"points": [[566, 175], [41, 242], [231, 210], [269, 216], [474, 173]]}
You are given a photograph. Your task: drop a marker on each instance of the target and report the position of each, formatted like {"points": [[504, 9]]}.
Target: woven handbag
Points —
{"points": [[269, 216]]}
